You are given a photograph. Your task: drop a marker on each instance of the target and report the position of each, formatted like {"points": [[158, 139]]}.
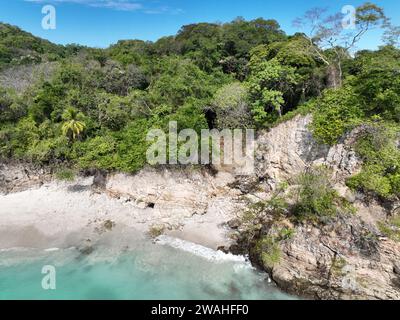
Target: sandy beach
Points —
{"points": [[64, 214]]}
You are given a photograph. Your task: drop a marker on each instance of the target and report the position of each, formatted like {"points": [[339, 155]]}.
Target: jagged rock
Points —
{"points": [[86, 250], [100, 179], [330, 262], [345, 259], [342, 159], [234, 224], [223, 249], [396, 268], [286, 150], [246, 184], [16, 177], [236, 249]]}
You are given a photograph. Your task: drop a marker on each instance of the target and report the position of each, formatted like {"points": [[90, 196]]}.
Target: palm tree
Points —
{"points": [[73, 125]]}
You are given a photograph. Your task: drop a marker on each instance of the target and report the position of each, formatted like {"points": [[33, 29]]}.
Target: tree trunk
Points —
{"points": [[334, 79]]}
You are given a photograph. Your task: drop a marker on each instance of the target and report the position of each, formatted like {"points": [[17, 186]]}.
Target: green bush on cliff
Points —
{"points": [[378, 148], [391, 228], [315, 199], [98, 153], [268, 246], [270, 252]]}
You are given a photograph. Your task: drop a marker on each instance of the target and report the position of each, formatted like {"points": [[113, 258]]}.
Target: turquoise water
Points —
{"points": [[145, 271]]}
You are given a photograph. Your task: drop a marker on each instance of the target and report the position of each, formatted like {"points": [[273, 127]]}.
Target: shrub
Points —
{"points": [[25, 134], [315, 198], [338, 265], [378, 149], [156, 230], [6, 150], [132, 146], [371, 179], [286, 233], [96, 153], [11, 108], [276, 207], [113, 112], [41, 151], [117, 80], [65, 175], [269, 250], [391, 228]]}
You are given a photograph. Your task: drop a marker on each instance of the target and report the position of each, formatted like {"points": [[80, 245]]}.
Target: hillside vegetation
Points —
{"points": [[95, 107]]}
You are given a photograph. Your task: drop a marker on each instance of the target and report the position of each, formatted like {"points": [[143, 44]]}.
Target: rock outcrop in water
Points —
{"points": [[347, 258], [342, 260]]}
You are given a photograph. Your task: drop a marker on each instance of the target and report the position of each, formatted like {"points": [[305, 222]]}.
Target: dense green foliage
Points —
{"points": [[283, 75], [335, 112], [369, 99], [97, 105], [19, 47], [371, 91]]}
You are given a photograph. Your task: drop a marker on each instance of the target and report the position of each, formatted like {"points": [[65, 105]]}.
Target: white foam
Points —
{"points": [[198, 250], [15, 249], [238, 268]]}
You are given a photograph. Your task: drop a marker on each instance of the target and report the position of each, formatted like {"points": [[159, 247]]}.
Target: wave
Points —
{"points": [[200, 251], [15, 249]]}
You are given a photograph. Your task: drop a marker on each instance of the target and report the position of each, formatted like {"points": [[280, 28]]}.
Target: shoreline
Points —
{"points": [[347, 258], [62, 214]]}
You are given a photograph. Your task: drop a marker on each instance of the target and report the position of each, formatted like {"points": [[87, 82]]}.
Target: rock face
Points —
{"points": [[287, 150], [193, 205], [175, 193], [18, 177], [345, 259]]}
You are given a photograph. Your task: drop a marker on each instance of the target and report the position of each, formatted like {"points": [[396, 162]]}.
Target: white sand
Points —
{"points": [[60, 214]]}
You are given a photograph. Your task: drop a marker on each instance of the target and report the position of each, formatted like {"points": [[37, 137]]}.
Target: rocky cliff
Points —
{"points": [[346, 258]]}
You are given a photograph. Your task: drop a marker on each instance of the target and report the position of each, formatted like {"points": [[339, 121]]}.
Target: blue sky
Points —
{"points": [[99, 23]]}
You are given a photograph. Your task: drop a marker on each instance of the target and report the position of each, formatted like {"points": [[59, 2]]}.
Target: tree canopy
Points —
{"points": [[94, 107]]}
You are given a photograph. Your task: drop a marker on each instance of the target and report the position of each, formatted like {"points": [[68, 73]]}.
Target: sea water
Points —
{"points": [[168, 269]]}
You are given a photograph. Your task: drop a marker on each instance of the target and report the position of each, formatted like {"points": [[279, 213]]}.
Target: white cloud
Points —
{"points": [[121, 5]]}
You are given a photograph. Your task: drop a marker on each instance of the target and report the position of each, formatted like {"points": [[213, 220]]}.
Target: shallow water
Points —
{"points": [[168, 270]]}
